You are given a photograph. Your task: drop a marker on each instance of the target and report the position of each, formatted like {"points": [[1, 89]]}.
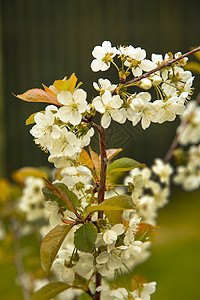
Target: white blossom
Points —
{"points": [[141, 109], [74, 105], [188, 176], [66, 145], [189, 129], [63, 272], [32, 201], [109, 106], [111, 235], [45, 129], [108, 294], [145, 291], [163, 170], [167, 110], [103, 55], [137, 186], [136, 60], [103, 85]]}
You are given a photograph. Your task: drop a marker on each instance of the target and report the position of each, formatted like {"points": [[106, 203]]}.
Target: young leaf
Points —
{"points": [[52, 196], [21, 174], [95, 159], [121, 202], [67, 85], [145, 232], [123, 164], [72, 82], [110, 153], [61, 85], [49, 91], [31, 120], [50, 291], [85, 237], [85, 159], [62, 192], [38, 95], [51, 244]]}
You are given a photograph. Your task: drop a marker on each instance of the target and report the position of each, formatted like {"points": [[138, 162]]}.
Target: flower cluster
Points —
{"points": [[95, 230], [64, 130], [188, 169], [189, 129], [188, 175], [150, 189], [172, 85], [32, 201], [143, 292]]}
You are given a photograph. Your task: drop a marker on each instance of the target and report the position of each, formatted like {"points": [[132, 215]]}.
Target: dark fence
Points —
{"points": [[44, 40]]}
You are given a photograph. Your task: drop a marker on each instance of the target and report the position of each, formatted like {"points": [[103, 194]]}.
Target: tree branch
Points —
{"points": [[102, 145], [102, 184], [164, 65]]}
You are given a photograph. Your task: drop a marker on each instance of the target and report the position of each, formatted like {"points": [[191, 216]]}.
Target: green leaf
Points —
{"points": [[50, 291], [85, 237], [123, 164], [84, 296], [121, 202], [114, 216], [51, 244], [51, 193]]}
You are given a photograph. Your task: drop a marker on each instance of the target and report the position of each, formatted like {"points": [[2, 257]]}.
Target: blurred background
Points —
{"points": [[41, 41]]}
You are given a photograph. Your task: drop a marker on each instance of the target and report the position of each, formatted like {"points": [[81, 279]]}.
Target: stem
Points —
{"points": [[102, 187], [102, 145], [172, 146], [177, 137], [98, 283], [102, 184]]}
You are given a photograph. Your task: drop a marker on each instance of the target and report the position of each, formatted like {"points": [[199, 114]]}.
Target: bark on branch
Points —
{"points": [[164, 65]]}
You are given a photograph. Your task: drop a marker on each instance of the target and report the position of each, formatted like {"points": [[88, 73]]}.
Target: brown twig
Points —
{"points": [[102, 184], [102, 146], [164, 65]]}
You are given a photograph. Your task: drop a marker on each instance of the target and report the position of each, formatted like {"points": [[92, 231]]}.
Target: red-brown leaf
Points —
{"points": [[38, 95], [112, 152]]}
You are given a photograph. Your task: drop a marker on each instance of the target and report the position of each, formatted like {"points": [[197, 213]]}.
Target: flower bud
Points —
{"points": [[145, 84], [156, 80]]}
